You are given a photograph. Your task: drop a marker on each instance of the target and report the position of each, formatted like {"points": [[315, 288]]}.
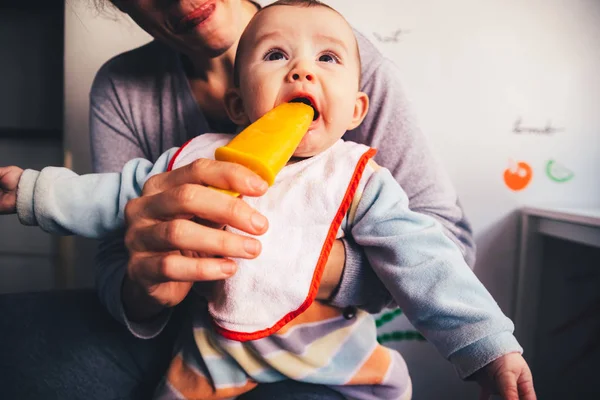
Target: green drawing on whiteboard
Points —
{"points": [[557, 172], [400, 336], [387, 317]]}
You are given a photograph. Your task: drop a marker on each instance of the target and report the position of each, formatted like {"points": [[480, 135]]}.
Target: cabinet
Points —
{"points": [[31, 115]]}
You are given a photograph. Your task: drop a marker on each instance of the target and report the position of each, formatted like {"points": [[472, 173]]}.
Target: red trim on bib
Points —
{"points": [[170, 167], [320, 268]]}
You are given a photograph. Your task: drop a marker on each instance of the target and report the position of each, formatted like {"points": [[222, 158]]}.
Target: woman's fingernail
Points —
{"points": [[251, 246], [228, 268], [258, 184], [258, 221]]}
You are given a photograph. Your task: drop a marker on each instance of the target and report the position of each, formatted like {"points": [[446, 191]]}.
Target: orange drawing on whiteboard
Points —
{"points": [[518, 176]]}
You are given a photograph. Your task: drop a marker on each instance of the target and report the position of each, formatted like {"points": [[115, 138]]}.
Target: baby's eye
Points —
{"points": [[275, 55], [329, 58]]}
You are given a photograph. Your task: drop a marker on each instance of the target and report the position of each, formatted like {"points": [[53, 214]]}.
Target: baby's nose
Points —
{"points": [[297, 76], [301, 74]]}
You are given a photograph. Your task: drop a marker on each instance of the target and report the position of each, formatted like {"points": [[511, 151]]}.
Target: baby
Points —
{"points": [[263, 325]]}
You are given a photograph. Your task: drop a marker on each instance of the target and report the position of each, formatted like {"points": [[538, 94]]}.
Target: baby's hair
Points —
{"points": [[293, 3]]}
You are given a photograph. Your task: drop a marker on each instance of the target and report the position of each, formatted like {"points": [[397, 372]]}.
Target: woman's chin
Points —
{"points": [[211, 46]]}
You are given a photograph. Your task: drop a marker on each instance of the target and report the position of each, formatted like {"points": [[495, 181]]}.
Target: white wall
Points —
{"points": [[91, 38], [471, 69]]}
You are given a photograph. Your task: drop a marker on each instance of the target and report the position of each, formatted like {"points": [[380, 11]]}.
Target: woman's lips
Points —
{"points": [[196, 17]]}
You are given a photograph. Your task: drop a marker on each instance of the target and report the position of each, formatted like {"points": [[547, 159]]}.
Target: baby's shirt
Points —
{"points": [[427, 276], [60, 201], [424, 270]]}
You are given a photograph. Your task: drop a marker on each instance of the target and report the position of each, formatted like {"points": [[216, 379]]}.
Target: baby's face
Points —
{"points": [[309, 53]]}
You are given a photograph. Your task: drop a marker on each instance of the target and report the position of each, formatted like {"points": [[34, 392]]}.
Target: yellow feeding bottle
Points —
{"points": [[266, 145]]}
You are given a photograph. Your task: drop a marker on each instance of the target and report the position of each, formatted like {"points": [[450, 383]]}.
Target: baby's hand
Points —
{"points": [[509, 376], [9, 179]]}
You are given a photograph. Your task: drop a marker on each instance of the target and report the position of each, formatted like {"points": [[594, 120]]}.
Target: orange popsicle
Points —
{"points": [[266, 145]]}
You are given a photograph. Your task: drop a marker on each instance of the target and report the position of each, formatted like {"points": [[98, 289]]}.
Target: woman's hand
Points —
{"points": [[333, 271], [169, 252]]}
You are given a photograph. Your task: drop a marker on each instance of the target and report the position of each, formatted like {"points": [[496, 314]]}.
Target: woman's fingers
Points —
{"points": [[178, 268], [159, 229], [206, 204], [206, 172], [181, 234]]}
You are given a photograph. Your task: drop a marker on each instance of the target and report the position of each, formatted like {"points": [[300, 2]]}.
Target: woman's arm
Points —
{"points": [[155, 266], [403, 149], [113, 143]]}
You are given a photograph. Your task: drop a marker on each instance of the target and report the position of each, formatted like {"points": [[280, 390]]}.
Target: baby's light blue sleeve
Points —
{"points": [[427, 276], [61, 202]]}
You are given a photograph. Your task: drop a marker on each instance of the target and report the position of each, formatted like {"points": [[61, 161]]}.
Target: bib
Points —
{"points": [[305, 208]]}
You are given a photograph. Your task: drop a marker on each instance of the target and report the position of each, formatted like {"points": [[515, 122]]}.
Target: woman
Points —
{"points": [[162, 94]]}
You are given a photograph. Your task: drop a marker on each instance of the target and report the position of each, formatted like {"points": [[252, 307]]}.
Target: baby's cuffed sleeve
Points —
{"points": [[477, 355], [25, 190], [61, 202]]}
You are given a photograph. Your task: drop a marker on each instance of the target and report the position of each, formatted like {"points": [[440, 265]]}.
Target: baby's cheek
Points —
{"points": [[253, 110], [258, 104], [258, 111]]}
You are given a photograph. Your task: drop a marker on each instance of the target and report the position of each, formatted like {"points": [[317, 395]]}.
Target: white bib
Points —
{"points": [[305, 208]]}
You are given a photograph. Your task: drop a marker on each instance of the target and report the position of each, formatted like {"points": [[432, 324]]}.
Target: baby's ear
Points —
{"points": [[235, 107], [361, 106]]}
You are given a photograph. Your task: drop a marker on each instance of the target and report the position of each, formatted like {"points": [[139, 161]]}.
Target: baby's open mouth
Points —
{"points": [[308, 102]]}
